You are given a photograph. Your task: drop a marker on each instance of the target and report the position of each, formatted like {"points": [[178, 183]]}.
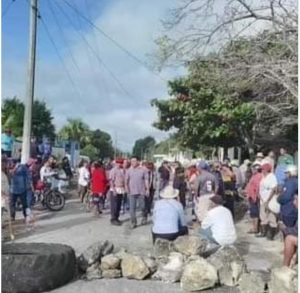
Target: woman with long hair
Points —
{"points": [[99, 187]]}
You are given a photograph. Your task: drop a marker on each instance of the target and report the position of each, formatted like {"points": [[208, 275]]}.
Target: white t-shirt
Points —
{"points": [[46, 172], [83, 176], [266, 185], [220, 221]]}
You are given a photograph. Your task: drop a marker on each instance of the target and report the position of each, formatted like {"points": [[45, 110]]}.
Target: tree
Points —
{"points": [[209, 115], [76, 130], [42, 120], [143, 146], [252, 46], [103, 144], [91, 152]]}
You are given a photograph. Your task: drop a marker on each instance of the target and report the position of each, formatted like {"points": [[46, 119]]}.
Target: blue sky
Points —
{"points": [[94, 95]]}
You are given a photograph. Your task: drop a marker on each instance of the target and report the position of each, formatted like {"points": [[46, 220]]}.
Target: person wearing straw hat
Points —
{"points": [[218, 226], [168, 216]]}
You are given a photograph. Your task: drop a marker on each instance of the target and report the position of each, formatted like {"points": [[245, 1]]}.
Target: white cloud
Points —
{"points": [[102, 103]]}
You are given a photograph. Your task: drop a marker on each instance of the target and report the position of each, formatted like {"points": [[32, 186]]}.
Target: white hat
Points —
{"points": [[169, 192], [260, 155]]}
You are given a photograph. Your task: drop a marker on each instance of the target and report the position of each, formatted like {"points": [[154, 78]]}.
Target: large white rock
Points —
{"points": [[198, 274], [150, 263], [133, 267], [171, 271], [190, 245], [283, 280], [252, 282], [110, 262], [229, 265], [111, 274]]}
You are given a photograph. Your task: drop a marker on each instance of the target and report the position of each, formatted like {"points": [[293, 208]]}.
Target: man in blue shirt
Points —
{"points": [[7, 141], [20, 185], [288, 211]]}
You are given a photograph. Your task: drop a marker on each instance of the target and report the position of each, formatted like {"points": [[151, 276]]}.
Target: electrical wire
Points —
{"points": [[60, 57], [63, 35], [114, 41], [101, 62], [7, 8]]}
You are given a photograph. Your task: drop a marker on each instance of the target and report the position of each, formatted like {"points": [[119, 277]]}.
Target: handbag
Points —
{"points": [[273, 205]]}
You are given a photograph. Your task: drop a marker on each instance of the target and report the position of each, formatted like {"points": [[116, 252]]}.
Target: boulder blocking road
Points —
{"points": [[73, 226]]}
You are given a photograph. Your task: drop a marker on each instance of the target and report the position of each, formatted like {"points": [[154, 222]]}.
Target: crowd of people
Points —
{"points": [[210, 188], [20, 182]]}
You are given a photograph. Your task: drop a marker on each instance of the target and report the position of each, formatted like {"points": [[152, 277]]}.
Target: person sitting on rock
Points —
{"points": [[218, 226], [290, 239], [168, 216]]}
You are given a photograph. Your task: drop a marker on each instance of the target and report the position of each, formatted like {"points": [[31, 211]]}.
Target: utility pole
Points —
{"points": [[27, 123]]}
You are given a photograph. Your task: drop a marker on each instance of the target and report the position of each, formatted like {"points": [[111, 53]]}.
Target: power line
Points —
{"points": [[114, 41], [101, 62], [63, 35], [59, 56], [8, 7], [95, 42]]}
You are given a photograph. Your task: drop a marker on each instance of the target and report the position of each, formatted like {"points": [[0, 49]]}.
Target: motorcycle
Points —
{"points": [[50, 194]]}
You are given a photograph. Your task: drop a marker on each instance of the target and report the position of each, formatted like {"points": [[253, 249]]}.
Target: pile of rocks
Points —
{"points": [[190, 260]]}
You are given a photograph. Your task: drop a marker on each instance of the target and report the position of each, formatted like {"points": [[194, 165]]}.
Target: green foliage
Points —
{"points": [[13, 115], [77, 130], [103, 144], [143, 146], [90, 151], [212, 115]]}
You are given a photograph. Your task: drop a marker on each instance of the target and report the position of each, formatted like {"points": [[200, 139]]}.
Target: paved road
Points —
{"points": [[74, 227]]}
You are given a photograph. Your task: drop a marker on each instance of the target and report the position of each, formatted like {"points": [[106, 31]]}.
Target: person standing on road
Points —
{"points": [[20, 185], [164, 175], [152, 185], [267, 189], [252, 193], [137, 186], [7, 141], [99, 187], [179, 183], [288, 212], [117, 191], [83, 179], [126, 166]]}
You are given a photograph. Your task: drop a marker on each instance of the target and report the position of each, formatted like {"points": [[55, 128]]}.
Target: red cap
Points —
{"points": [[266, 167], [119, 161]]}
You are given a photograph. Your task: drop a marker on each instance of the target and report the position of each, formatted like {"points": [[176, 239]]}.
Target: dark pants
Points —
{"points": [[98, 202], [288, 221], [115, 205], [172, 236], [14, 198], [149, 201], [254, 209], [229, 203]]}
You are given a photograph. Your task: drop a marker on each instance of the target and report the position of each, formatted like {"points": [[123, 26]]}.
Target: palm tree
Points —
{"points": [[77, 130]]}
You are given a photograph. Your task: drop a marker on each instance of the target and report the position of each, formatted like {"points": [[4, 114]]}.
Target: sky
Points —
{"points": [[85, 75]]}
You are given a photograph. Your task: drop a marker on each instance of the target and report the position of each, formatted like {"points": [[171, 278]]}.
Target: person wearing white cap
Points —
{"points": [[288, 212], [168, 216]]}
